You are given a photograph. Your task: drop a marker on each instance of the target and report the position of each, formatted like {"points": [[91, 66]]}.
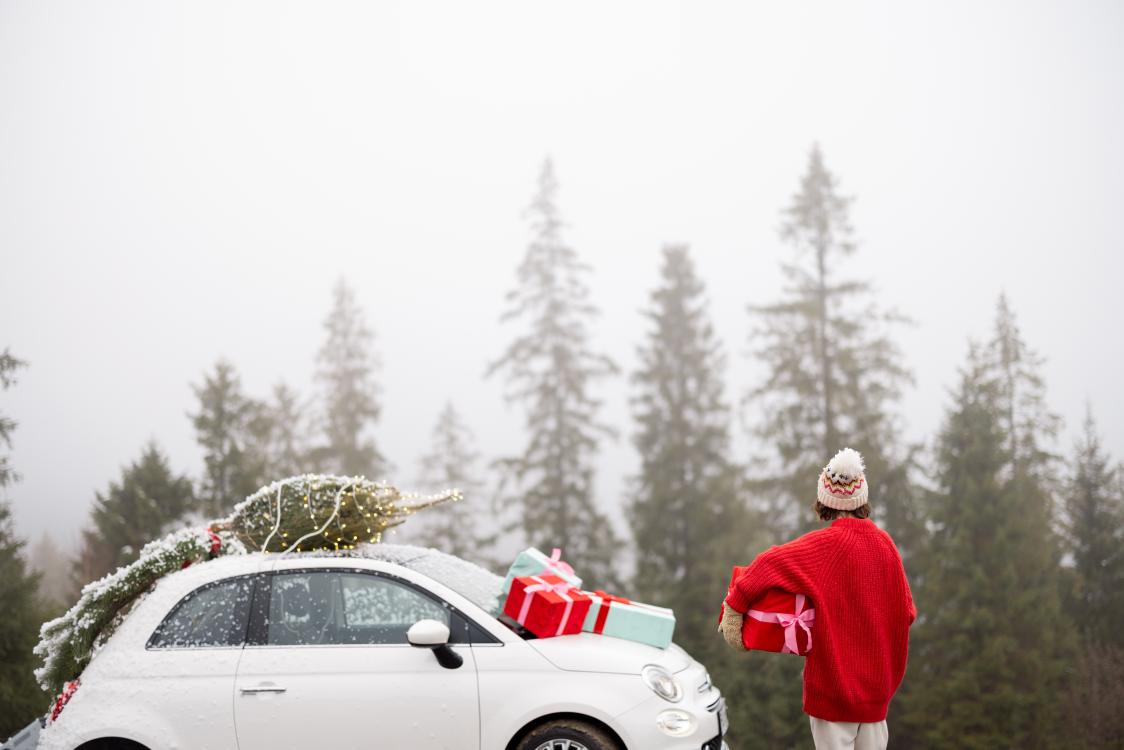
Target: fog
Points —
{"points": [[181, 182]]}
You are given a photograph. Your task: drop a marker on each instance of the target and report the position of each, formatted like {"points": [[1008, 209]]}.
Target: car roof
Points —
{"points": [[478, 585]]}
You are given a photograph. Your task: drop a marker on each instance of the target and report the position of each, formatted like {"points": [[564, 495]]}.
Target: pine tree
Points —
{"points": [[687, 513], [347, 368], [988, 651], [1094, 512], [8, 366], [452, 463], [276, 434], [133, 511], [1027, 421], [551, 369], [57, 589], [833, 373], [685, 497], [288, 445], [20, 697], [224, 426], [1094, 533]]}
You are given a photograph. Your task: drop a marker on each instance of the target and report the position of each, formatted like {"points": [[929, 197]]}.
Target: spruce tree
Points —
{"points": [[276, 434], [1028, 423], [9, 364], [147, 500], [685, 497], [988, 651], [551, 369], [224, 426], [20, 698], [1093, 500], [833, 374], [347, 366], [288, 444], [452, 463], [687, 513], [1094, 515], [57, 588]]}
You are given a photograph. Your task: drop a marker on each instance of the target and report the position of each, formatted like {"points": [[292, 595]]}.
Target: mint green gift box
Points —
{"points": [[643, 623], [532, 562]]}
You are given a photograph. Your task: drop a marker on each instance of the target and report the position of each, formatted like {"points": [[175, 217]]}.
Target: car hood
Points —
{"points": [[586, 652]]}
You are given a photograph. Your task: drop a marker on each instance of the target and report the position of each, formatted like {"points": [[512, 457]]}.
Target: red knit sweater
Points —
{"points": [[853, 574]]}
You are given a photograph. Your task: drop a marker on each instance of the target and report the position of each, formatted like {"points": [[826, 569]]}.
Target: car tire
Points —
{"points": [[567, 734]]}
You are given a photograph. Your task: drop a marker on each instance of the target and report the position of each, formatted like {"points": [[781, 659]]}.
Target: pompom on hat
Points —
{"points": [[842, 483]]}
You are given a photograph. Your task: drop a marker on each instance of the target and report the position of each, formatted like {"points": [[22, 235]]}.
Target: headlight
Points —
{"points": [[675, 722], [662, 683]]}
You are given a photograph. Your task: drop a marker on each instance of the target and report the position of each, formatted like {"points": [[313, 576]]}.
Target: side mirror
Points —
{"points": [[428, 633], [434, 635]]}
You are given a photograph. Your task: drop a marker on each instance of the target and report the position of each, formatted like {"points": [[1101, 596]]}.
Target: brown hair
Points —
{"points": [[830, 514]]}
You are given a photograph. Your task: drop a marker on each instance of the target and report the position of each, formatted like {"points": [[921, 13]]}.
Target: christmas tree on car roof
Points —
{"points": [[299, 514]]}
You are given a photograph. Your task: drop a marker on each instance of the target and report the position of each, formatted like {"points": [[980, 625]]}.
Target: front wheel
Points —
{"points": [[567, 734]]}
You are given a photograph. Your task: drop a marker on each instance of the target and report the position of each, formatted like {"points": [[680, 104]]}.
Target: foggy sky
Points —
{"points": [[181, 182]]}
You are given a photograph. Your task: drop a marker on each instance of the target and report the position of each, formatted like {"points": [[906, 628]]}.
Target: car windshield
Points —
{"points": [[479, 586]]}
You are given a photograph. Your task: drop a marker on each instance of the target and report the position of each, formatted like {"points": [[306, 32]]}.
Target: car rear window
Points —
{"points": [[214, 615]]}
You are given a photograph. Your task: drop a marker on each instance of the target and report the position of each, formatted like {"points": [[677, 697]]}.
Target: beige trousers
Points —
{"points": [[845, 735]]}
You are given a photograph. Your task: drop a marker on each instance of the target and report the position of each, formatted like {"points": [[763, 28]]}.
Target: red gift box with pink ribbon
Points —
{"points": [[547, 605], [778, 621]]}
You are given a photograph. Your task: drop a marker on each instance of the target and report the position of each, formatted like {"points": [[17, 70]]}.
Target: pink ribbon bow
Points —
{"points": [[561, 588], [557, 564], [803, 618]]}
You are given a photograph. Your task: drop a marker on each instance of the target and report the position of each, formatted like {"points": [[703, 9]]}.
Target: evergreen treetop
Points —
{"points": [[687, 510], [147, 500], [833, 374], [9, 364], [288, 444], [989, 648], [1028, 422], [223, 428], [551, 368], [452, 462], [1094, 529], [55, 571], [685, 497], [347, 366]]}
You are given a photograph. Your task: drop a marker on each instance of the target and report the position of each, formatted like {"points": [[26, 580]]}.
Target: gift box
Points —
{"points": [[777, 621], [532, 562], [547, 605], [623, 618]]}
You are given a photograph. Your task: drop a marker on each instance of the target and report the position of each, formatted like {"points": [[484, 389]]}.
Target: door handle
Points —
{"points": [[262, 689]]}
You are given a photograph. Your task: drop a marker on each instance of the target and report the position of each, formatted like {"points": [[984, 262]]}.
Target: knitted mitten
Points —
{"points": [[731, 628]]}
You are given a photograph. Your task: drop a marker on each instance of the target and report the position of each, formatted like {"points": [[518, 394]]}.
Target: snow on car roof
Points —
{"points": [[479, 586]]}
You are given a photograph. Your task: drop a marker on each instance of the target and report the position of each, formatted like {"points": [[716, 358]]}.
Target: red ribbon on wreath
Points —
{"points": [[64, 697], [216, 545]]}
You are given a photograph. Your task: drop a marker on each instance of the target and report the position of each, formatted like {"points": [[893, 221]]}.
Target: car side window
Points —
{"points": [[213, 615], [342, 608]]}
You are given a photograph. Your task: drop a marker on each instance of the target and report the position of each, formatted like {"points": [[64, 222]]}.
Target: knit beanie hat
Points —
{"points": [[842, 482]]}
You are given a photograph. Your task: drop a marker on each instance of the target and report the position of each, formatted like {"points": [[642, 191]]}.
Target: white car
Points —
{"points": [[397, 649]]}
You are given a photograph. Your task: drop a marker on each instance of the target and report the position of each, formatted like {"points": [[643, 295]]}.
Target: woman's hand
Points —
{"points": [[731, 628]]}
